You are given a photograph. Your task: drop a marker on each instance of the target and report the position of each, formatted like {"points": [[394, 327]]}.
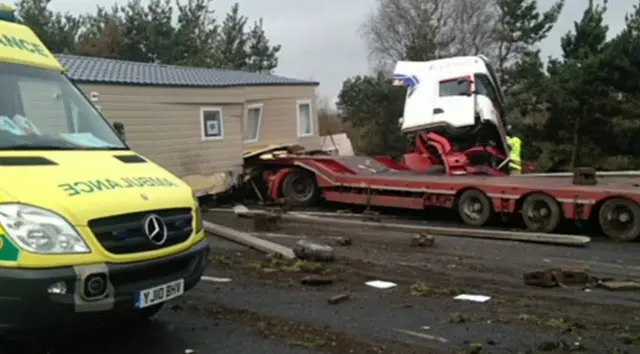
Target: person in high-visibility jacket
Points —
{"points": [[515, 149]]}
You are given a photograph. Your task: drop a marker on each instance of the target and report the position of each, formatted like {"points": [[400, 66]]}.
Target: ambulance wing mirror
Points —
{"points": [[119, 128]]}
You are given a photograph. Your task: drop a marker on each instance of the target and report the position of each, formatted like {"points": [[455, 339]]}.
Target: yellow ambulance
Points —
{"points": [[88, 228]]}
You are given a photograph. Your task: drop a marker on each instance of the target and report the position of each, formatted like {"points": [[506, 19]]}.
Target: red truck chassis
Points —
{"points": [[542, 202]]}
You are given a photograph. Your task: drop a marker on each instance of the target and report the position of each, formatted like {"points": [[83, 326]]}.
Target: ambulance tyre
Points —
{"points": [[299, 188], [474, 207]]}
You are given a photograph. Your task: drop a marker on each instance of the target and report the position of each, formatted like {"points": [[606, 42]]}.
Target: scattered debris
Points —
{"points": [[215, 279], [268, 221], [344, 241], [242, 210], [313, 251], [474, 348], [457, 317], [620, 285], [381, 284], [474, 298], [244, 238], [420, 289], [628, 338], [423, 335], [338, 299], [317, 280], [553, 277], [370, 215], [423, 240]]}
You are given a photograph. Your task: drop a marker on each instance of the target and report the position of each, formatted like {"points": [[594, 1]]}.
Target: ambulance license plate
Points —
{"points": [[159, 294]]}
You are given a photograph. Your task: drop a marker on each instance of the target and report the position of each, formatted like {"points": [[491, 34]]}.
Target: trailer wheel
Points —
{"points": [[541, 213], [619, 219], [474, 207], [299, 189]]}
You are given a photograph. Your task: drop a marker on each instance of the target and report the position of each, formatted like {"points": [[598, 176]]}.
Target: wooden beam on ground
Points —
{"points": [[533, 237], [521, 236], [246, 239]]}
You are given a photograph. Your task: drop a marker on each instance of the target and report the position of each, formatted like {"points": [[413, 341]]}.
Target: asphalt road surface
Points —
{"points": [[263, 308]]}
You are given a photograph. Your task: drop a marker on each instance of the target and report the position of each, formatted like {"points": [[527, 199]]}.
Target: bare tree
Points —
{"points": [[427, 29]]}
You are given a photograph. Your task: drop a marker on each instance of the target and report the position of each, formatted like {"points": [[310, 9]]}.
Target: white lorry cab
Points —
{"points": [[458, 98]]}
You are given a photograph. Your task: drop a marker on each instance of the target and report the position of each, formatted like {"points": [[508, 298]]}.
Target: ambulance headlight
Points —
{"points": [[40, 231]]}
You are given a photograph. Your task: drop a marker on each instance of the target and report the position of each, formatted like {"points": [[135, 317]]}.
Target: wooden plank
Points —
{"points": [[248, 240], [532, 237]]}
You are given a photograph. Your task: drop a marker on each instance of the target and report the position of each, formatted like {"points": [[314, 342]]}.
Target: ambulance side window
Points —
{"points": [[43, 105]]}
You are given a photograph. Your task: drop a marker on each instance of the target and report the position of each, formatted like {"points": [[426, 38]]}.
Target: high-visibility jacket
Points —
{"points": [[515, 145]]}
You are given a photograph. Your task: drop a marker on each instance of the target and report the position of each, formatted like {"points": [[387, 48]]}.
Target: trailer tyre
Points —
{"points": [[474, 207], [619, 219], [299, 188], [541, 213]]}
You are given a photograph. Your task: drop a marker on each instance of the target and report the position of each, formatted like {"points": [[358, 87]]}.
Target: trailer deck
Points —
{"points": [[542, 202], [358, 169]]}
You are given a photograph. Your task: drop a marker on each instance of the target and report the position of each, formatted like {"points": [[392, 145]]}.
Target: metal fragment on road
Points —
{"points": [[317, 280], [423, 240]]}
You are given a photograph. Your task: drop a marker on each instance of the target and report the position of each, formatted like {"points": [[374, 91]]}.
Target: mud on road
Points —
{"points": [[420, 315]]}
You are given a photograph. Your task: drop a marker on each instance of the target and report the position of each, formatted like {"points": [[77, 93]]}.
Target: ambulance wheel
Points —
{"points": [[619, 219], [474, 207], [541, 213], [299, 188]]}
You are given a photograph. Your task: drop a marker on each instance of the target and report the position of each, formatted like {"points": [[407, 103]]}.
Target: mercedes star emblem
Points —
{"points": [[155, 229]]}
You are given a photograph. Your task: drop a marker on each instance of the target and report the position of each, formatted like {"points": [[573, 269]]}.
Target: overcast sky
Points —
{"points": [[320, 39]]}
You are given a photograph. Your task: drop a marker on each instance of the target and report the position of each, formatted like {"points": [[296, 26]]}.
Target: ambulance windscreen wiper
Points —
{"points": [[35, 146]]}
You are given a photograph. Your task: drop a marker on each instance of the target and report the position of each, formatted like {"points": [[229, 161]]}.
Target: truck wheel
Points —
{"points": [[474, 207], [299, 188], [619, 219], [541, 213]]}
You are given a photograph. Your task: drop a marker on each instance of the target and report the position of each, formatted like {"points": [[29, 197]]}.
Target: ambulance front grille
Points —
{"points": [[124, 234]]}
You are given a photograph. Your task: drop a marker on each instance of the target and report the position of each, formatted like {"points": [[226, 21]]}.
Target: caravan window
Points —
{"points": [[454, 87]]}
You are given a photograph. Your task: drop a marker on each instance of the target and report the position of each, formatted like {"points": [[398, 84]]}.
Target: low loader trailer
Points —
{"points": [[609, 203], [460, 159]]}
